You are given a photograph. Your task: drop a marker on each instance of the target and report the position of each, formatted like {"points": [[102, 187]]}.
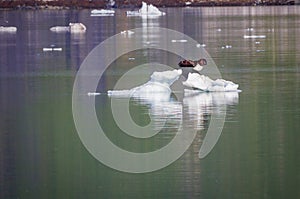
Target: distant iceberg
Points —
{"points": [[10, 29], [73, 28], [204, 83], [102, 12], [146, 10]]}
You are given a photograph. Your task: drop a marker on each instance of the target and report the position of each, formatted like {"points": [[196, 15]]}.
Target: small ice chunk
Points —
{"points": [[57, 49], [178, 41], [47, 49], [127, 33], [198, 68], [73, 28], [103, 11], [93, 93], [254, 36], [10, 29], [200, 45]]}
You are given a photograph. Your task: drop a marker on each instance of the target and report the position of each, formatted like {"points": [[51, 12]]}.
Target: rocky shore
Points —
{"points": [[78, 4]]}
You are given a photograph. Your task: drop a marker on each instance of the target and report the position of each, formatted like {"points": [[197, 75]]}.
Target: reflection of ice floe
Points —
{"points": [[204, 83], [198, 104], [73, 28], [254, 36], [147, 11], [160, 82], [102, 12], [210, 98], [9, 29]]}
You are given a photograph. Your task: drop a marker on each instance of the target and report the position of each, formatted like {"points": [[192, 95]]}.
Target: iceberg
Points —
{"points": [[254, 36], [73, 28], [102, 12], [10, 29], [159, 82], [204, 83], [146, 10]]}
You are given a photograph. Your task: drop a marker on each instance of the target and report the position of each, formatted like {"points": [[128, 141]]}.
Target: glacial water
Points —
{"points": [[256, 154]]}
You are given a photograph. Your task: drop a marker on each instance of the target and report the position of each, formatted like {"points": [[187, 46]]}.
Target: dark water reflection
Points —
{"points": [[256, 156]]}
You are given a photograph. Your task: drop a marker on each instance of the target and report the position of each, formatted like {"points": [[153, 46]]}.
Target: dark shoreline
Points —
{"points": [[93, 4]]}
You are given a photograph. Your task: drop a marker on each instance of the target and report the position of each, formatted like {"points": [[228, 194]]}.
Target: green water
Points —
{"points": [[256, 156]]}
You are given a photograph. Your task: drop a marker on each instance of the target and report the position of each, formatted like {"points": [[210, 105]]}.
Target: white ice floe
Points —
{"points": [[127, 33], [226, 46], [73, 28], [146, 11], [52, 49], [254, 36], [102, 12], [200, 45], [160, 82], [9, 29], [204, 83], [178, 40], [93, 93]]}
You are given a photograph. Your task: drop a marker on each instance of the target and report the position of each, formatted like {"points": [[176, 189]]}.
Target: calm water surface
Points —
{"points": [[41, 155]]}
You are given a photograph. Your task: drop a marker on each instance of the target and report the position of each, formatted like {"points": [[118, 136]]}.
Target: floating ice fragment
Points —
{"points": [[200, 45], [178, 41], [204, 83], [102, 11], [127, 32], [160, 82], [254, 36], [52, 49], [73, 28], [146, 10], [93, 93], [9, 29]]}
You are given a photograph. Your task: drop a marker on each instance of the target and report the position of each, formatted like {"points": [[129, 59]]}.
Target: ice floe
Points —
{"points": [[146, 11], [102, 12], [204, 83], [160, 82], [9, 29], [254, 36], [52, 49], [178, 40], [73, 28]]}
